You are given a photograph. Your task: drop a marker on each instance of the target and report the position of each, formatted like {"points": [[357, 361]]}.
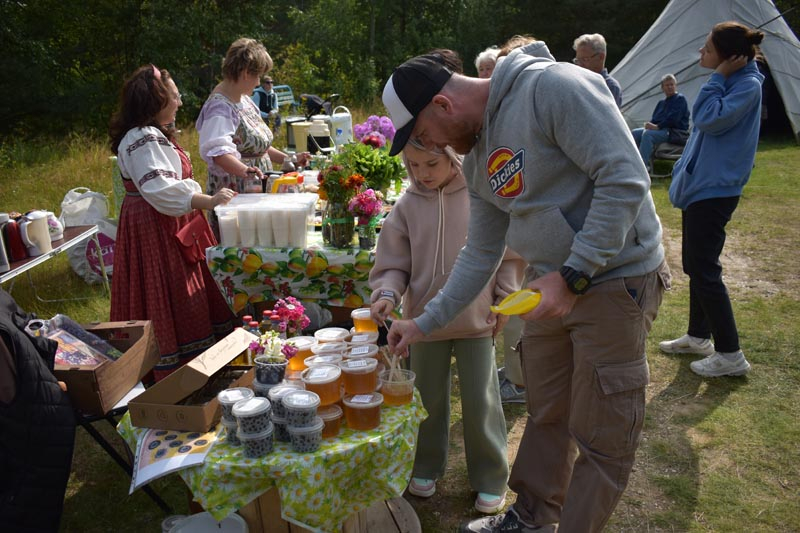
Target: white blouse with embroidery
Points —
{"points": [[146, 157]]}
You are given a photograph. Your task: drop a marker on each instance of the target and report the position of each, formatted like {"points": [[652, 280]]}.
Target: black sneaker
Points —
{"points": [[508, 522]]}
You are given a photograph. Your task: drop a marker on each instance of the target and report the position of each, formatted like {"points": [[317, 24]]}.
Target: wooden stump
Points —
{"points": [[263, 515]]}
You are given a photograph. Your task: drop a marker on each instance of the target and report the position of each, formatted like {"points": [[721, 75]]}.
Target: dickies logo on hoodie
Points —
{"points": [[504, 168]]}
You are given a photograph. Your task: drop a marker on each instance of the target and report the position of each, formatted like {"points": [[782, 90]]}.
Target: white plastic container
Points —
{"points": [[341, 126], [205, 523], [269, 220]]}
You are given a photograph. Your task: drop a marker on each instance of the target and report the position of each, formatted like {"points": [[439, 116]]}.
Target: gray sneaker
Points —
{"points": [[508, 522], [510, 393], [717, 365], [688, 344]]}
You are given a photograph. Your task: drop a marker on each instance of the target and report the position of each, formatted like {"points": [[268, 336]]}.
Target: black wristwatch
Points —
{"points": [[577, 282]]}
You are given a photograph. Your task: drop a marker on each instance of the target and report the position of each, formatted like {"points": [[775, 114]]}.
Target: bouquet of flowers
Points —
{"points": [[338, 184], [366, 205], [271, 345], [375, 131], [293, 319], [379, 169]]}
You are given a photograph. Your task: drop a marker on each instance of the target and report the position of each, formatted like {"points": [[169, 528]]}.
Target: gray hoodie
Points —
{"points": [[556, 172]]}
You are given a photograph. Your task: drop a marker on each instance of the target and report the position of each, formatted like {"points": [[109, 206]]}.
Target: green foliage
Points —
{"points": [[376, 165]]}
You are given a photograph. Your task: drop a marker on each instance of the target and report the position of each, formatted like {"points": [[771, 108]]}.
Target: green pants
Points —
{"points": [[482, 414]]}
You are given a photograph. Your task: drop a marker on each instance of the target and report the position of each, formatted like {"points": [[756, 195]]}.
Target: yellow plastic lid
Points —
{"points": [[518, 303]]}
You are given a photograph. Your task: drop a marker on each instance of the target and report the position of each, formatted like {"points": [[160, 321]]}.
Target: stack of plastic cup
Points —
{"points": [[227, 399], [255, 426]]}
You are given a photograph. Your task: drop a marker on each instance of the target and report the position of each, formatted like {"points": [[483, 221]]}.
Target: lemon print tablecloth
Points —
{"points": [[333, 276], [319, 490]]}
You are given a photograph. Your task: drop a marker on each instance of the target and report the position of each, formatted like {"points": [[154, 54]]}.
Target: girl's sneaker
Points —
{"points": [[424, 488], [489, 503]]}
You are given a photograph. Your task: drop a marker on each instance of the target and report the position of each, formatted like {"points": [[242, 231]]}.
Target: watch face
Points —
{"points": [[581, 284]]}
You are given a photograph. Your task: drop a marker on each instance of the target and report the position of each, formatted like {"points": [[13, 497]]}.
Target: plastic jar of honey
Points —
{"points": [[303, 345], [360, 376], [363, 411], [325, 380]]}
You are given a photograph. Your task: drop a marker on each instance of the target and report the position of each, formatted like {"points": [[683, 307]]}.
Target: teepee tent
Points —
{"points": [[671, 46]]}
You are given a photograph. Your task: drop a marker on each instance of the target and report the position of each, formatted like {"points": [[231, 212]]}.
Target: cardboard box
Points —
{"points": [[95, 390], [159, 406]]}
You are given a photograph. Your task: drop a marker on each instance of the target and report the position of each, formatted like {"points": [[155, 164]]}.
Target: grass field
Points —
{"points": [[717, 455]]}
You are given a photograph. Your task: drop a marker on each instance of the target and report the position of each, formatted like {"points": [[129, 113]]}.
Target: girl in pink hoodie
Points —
{"points": [[418, 245]]}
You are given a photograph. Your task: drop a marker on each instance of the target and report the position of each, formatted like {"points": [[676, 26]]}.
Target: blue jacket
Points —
{"points": [[672, 113], [719, 155], [265, 101]]}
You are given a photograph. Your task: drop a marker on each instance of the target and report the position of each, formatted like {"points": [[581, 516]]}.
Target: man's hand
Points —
{"points": [[557, 300], [380, 311], [650, 126], [401, 335]]}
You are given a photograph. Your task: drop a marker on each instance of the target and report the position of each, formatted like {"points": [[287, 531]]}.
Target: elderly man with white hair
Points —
{"points": [[590, 53]]}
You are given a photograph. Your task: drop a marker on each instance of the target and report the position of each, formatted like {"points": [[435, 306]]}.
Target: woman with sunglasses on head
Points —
{"points": [[152, 280]]}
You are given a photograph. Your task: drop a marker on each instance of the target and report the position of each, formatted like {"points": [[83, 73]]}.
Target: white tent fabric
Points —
{"points": [[671, 46]]}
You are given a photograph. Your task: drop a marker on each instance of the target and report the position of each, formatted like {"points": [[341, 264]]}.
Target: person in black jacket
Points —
{"points": [[37, 427]]}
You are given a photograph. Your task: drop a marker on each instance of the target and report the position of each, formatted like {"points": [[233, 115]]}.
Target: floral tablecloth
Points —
{"points": [[320, 490], [332, 276]]}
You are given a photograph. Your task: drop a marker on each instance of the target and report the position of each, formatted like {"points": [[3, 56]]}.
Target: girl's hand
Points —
{"points": [[222, 197], [731, 65], [380, 311], [500, 322]]}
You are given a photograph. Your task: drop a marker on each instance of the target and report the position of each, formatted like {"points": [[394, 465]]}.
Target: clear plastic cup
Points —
{"points": [[262, 389], [331, 415], [362, 320], [360, 376], [252, 415], [229, 229], [329, 359], [228, 398], [247, 227], [362, 351], [276, 395], [307, 439], [301, 407], [303, 345], [365, 337], [281, 429], [231, 429], [325, 380], [363, 411], [326, 348], [331, 335], [264, 222], [257, 444], [397, 386]]}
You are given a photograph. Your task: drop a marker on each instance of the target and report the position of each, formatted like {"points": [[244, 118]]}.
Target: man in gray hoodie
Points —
{"points": [[553, 173]]}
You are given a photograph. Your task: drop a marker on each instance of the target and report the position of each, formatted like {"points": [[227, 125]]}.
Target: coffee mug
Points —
{"points": [[55, 227]]}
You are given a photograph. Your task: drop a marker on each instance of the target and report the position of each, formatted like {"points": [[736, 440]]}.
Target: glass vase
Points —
{"points": [[366, 236], [338, 225]]}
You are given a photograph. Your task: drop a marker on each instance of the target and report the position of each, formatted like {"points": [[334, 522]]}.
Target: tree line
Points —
{"points": [[64, 61]]}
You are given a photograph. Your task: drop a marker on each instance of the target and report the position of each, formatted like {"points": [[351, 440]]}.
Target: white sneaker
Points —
{"points": [[424, 488], [688, 344], [716, 365], [489, 503]]}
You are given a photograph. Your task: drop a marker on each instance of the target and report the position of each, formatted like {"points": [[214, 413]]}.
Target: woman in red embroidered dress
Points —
{"points": [[152, 280]]}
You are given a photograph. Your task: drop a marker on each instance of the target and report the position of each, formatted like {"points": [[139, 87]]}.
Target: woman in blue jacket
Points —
{"points": [[706, 185]]}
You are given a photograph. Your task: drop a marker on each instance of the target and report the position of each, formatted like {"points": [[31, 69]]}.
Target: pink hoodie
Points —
{"points": [[418, 244]]}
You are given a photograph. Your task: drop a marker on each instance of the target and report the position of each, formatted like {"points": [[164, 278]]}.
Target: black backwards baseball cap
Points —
{"points": [[409, 89]]}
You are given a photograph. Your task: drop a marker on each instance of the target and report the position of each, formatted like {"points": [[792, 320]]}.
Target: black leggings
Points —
{"points": [[710, 312]]}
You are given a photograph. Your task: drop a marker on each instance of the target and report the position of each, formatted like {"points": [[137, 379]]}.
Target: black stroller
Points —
{"points": [[315, 105]]}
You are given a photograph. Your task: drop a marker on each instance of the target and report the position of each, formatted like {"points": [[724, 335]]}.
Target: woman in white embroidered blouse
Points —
{"points": [[151, 279], [234, 139]]}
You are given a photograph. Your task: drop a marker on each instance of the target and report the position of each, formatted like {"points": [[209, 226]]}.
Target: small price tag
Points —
{"points": [[359, 363], [360, 337], [317, 373], [302, 399], [360, 350], [361, 398]]}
